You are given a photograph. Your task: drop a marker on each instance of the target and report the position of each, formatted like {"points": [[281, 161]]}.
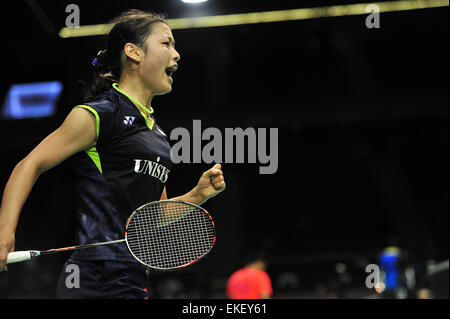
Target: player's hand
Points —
{"points": [[211, 183], [7, 240]]}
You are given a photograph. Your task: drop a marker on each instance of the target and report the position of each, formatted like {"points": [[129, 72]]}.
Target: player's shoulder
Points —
{"points": [[106, 102]]}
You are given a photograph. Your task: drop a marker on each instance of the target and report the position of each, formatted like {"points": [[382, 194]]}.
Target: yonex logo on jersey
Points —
{"points": [[129, 120]]}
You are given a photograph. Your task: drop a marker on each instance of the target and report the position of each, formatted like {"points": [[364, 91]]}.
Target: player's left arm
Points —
{"points": [[211, 183]]}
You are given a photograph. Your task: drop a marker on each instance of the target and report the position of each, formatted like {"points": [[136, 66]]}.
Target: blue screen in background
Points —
{"points": [[31, 100]]}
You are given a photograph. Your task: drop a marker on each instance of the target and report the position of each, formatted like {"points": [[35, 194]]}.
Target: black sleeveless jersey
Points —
{"points": [[128, 167]]}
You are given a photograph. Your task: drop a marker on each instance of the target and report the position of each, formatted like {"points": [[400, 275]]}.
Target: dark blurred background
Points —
{"points": [[362, 116]]}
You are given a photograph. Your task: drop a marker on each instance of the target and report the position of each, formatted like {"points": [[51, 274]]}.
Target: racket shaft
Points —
{"points": [[59, 250], [18, 256]]}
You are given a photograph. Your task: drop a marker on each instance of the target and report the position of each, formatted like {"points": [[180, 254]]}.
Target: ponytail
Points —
{"points": [[99, 78]]}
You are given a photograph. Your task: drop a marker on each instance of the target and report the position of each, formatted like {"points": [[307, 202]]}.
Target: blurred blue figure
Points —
{"points": [[389, 263]]}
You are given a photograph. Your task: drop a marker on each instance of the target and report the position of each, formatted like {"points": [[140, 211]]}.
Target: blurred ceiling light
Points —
{"points": [[269, 16], [193, 1]]}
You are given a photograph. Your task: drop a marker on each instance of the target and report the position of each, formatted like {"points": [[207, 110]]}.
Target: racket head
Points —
{"points": [[169, 234]]}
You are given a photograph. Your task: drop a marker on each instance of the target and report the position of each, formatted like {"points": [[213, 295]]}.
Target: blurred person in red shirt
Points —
{"points": [[252, 281]]}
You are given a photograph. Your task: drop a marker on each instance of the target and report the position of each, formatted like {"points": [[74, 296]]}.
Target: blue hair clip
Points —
{"points": [[96, 63]]}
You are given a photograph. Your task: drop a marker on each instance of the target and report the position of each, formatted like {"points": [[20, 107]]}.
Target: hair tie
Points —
{"points": [[96, 63]]}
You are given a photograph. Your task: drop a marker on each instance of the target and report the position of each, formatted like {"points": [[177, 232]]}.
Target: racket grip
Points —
{"points": [[18, 256]]}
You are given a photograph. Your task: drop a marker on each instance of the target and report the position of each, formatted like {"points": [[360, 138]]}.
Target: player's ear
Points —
{"points": [[133, 52]]}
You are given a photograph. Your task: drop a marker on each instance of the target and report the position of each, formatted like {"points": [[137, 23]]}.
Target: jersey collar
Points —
{"points": [[145, 112]]}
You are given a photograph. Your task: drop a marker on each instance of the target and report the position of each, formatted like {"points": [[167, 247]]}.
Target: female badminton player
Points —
{"points": [[122, 157]]}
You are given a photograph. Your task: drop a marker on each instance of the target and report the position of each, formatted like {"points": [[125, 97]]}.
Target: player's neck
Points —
{"points": [[135, 88], [256, 265]]}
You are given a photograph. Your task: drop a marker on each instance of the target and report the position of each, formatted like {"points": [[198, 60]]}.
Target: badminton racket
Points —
{"points": [[162, 235]]}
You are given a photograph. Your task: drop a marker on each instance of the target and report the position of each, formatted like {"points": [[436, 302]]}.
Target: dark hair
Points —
{"points": [[256, 255], [132, 26]]}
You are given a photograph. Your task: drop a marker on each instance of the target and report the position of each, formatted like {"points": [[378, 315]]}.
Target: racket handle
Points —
{"points": [[18, 256]]}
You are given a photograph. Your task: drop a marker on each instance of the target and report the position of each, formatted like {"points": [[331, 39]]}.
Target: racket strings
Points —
{"points": [[168, 235]]}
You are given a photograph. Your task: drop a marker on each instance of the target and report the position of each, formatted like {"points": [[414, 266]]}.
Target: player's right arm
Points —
{"points": [[77, 133], [265, 286]]}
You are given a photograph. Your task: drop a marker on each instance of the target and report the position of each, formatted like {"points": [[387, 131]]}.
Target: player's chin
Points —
{"points": [[169, 88], [164, 89], [167, 85]]}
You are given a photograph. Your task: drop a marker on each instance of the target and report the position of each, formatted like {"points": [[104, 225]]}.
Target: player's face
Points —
{"points": [[160, 60]]}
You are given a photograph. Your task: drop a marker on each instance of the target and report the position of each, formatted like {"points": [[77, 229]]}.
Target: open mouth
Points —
{"points": [[171, 70]]}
